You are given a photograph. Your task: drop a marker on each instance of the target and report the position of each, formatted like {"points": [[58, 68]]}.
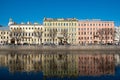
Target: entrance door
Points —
{"points": [[12, 41]]}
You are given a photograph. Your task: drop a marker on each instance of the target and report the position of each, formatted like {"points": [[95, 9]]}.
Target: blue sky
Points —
{"points": [[36, 10]]}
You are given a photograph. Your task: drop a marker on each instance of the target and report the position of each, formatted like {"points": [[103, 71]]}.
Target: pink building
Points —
{"points": [[96, 64], [95, 32]]}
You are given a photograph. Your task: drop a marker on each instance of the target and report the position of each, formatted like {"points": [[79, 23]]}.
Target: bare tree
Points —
{"points": [[17, 34], [65, 35], [104, 34], [117, 34], [38, 33], [100, 34], [53, 33]]}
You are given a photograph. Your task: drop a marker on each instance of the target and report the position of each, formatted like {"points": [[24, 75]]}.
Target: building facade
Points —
{"points": [[4, 35], [60, 31], [25, 33], [95, 32], [117, 35]]}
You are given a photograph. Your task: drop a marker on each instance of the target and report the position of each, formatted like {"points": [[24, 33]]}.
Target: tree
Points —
{"points": [[117, 34], [38, 33], [17, 34], [100, 34], [65, 34], [104, 33], [53, 33]]}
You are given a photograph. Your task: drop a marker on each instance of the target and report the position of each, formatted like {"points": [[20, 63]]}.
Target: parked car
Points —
{"points": [[109, 43], [49, 44], [25, 44]]}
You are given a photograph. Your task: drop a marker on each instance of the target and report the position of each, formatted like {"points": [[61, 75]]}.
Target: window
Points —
{"points": [[45, 24], [45, 35], [91, 33], [64, 24], [90, 24], [105, 24], [72, 24], [84, 33], [102, 24], [45, 29], [29, 34], [84, 24]]}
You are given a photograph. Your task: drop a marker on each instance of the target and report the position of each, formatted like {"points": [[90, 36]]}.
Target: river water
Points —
{"points": [[59, 65]]}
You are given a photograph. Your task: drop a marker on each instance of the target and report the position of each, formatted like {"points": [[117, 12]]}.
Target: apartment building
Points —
{"points": [[63, 31], [25, 33], [4, 35], [95, 32], [117, 35], [60, 30]]}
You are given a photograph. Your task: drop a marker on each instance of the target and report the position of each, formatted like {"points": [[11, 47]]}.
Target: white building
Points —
{"points": [[25, 33], [117, 35]]}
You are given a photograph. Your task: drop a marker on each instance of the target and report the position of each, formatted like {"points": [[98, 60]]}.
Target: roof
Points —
{"points": [[96, 20], [60, 19], [4, 28]]}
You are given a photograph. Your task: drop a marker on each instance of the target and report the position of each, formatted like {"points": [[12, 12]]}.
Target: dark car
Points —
{"points": [[25, 44], [109, 43]]}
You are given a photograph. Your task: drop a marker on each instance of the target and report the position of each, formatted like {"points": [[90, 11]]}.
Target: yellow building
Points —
{"points": [[60, 31], [4, 35]]}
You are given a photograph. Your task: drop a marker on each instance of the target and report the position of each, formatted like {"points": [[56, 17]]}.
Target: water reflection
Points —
{"points": [[60, 63]]}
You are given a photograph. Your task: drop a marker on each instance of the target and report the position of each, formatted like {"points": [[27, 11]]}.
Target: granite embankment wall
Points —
{"points": [[91, 47]]}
